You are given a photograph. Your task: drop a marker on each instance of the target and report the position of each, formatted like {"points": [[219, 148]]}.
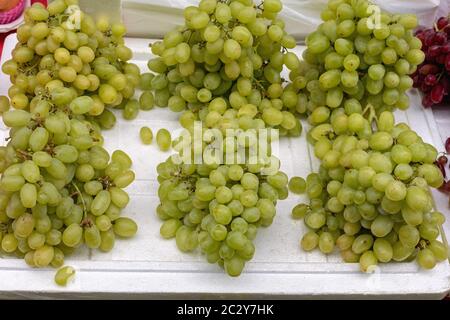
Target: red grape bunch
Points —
{"points": [[433, 76]]}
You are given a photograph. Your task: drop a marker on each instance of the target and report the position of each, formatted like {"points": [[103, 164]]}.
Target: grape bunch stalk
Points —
{"points": [[59, 188], [433, 75]]}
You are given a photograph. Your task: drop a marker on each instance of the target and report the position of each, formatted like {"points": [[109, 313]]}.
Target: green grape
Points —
{"points": [[146, 135], [92, 237], [409, 236], [234, 266], [169, 228], [367, 260], [297, 185], [4, 104], [426, 259], [416, 198], [163, 139], [72, 235], [64, 275], [43, 256], [362, 243], [107, 240], [146, 100], [440, 251], [326, 242], [125, 227], [122, 159], [317, 42], [16, 118]]}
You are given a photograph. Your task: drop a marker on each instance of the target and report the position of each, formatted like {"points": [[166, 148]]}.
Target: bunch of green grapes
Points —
{"points": [[223, 68], [89, 59], [358, 55], [371, 197], [218, 207], [228, 56], [59, 188]]}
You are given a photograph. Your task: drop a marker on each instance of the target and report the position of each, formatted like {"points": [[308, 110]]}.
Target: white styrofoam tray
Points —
{"points": [[149, 266]]}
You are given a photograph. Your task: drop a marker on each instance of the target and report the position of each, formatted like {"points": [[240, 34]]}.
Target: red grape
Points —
{"points": [[442, 23], [429, 39], [419, 30], [442, 168], [440, 38], [446, 83], [447, 145], [416, 81], [433, 51], [430, 80], [433, 76], [425, 88], [445, 187], [421, 37], [428, 69], [437, 93], [447, 62], [446, 48], [442, 160], [426, 101], [440, 59]]}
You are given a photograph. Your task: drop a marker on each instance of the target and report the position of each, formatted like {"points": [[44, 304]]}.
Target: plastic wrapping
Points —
{"points": [[152, 18]]}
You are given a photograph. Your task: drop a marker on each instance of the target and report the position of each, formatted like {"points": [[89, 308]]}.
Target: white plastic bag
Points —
{"points": [[153, 18]]}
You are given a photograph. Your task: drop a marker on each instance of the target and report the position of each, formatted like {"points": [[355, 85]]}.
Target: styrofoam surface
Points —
{"points": [[150, 266]]}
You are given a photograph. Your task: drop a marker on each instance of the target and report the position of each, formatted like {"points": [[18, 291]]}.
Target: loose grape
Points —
{"points": [[64, 275], [146, 135], [163, 139], [297, 185]]}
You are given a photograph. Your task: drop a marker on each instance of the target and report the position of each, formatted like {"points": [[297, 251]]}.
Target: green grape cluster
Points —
{"points": [[223, 68], [54, 58], [371, 197], [357, 57], [218, 207], [59, 188], [228, 56]]}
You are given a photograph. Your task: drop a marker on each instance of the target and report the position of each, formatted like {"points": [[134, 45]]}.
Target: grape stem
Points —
{"points": [[260, 6], [49, 148], [259, 85], [30, 67], [422, 244], [372, 114], [82, 199], [24, 155], [106, 182]]}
